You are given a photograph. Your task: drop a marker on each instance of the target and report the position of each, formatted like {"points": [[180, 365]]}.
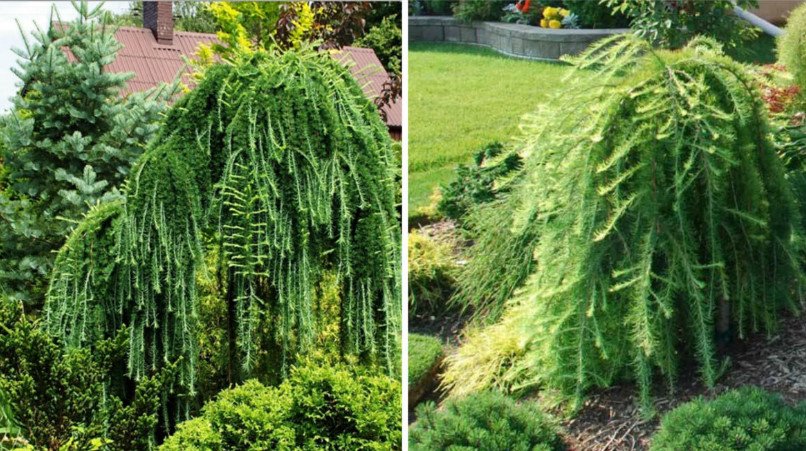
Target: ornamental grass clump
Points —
{"points": [[651, 222], [432, 272], [282, 163]]}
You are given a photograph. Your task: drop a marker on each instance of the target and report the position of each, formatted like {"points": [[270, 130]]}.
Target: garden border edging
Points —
{"points": [[522, 41]]}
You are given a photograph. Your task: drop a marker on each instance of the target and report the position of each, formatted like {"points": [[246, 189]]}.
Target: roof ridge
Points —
{"points": [[141, 29], [197, 33], [363, 49]]}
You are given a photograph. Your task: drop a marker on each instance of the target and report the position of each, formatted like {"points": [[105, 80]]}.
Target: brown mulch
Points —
{"points": [[611, 419]]}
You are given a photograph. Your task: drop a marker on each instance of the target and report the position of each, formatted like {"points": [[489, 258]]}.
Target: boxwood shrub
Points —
{"points": [[486, 420], [745, 419], [423, 353], [320, 406]]}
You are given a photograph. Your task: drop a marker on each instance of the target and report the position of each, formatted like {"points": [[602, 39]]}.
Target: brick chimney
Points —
{"points": [[158, 17]]}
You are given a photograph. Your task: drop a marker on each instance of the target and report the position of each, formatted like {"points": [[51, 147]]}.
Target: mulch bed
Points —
{"points": [[611, 419]]}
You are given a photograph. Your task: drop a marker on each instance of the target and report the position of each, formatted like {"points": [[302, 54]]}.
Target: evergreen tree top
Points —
{"points": [[67, 143]]}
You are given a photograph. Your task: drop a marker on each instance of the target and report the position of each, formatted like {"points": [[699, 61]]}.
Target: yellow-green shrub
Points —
{"points": [[326, 407]]}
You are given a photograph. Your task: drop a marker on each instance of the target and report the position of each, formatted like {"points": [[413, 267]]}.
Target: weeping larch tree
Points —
{"points": [[652, 221], [280, 162]]}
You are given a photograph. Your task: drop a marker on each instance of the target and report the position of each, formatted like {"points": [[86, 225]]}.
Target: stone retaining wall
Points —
{"points": [[510, 39]]}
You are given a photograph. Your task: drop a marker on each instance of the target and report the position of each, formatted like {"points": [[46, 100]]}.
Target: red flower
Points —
{"points": [[526, 6]]}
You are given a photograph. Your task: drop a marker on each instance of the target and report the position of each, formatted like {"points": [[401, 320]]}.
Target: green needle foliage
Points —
{"points": [[480, 182], [68, 143], [62, 399], [284, 164], [792, 47], [486, 420], [651, 221], [424, 352], [747, 418]]}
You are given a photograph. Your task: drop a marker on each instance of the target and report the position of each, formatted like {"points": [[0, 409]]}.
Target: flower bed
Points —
{"points": [[508, 38]]}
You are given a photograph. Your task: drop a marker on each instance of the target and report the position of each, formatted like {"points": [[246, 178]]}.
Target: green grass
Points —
{"points": [[423, 352], [460, 98]]}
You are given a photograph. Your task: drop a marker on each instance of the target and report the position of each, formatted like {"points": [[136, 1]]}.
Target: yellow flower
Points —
{"points": [[555, 24], [548, 12], [544, 23], [564, 12]]}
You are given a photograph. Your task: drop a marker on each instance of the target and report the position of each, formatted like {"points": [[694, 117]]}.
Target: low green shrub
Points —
{"points": [[595, 14], [437, 7], [386, 39], [478, 183], [486, 420], [431, 274], [424, 351], [61, 399], [745, 419], [673, 24], [328, 407], [472, 10], [430, 8], [792, 46]]}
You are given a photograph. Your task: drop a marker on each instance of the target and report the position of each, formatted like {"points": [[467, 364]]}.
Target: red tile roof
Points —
{"points": [[153, 63]]}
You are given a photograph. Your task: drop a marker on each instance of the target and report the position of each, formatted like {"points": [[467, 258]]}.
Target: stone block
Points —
{"points": [[434, 33], [452, 33], [468, 35]]}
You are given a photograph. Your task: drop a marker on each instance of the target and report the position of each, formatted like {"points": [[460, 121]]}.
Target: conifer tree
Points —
{"points": [[67, 144], [281, 162], [652, 220]]}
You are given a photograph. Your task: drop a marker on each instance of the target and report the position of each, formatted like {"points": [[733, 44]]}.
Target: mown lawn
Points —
{"points": [[461, 97]]}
